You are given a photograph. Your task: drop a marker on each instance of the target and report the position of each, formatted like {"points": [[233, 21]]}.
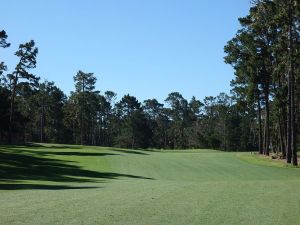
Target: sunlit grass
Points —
{"points": [[62, 184]]}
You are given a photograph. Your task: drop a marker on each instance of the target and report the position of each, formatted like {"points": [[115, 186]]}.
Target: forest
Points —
{"points": [[261, 112]]}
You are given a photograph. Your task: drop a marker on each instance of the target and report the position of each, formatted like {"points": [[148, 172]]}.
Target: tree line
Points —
{"points": [[260, 113], [40, 112], [265, 56]]}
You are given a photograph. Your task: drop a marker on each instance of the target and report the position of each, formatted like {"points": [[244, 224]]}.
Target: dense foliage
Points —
{"points": [[265, 56], [261, 112], [43, 113]]}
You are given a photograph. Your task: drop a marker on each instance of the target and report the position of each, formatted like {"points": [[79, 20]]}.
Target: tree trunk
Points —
{"points": [[12, 108], [41, 128], [267, 119], [293, 124], [82, 129], [42, 123], [74, 132], [292, 146], [260, 137], [281, 137]]}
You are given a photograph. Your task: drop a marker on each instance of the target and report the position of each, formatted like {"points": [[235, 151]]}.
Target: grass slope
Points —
{"points": [[55, 184]]}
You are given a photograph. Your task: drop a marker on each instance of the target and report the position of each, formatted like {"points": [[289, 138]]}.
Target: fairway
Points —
{"points": [[70, 185]]}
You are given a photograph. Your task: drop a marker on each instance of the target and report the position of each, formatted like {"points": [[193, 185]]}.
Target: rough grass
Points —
{"points": [[265, 160], [55, 184]]}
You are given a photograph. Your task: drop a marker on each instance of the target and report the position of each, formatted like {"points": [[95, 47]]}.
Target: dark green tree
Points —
{"points": [[85, 86], [4, 93], [154, 114], [179, 116], [3, 44], [48, 118], [27, 54], [133, 131]]}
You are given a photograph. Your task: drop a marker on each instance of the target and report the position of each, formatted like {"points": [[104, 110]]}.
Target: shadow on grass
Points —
{"points": [[26, 165], [78, 154], [41, 146], [44, 153], [135, 152], [40, 187], [58, 147]]}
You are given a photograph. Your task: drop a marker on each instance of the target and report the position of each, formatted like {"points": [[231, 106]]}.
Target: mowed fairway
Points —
{"points": [[70, 185]]}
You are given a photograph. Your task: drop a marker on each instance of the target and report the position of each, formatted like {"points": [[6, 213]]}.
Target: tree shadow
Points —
{"points": [[79, 154], [42, 152], [41, 187], [53, 146], [41, 146], [25, 165], [135, 152], [70, 153]]}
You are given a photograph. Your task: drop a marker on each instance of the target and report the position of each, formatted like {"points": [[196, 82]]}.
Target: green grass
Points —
{"points": [[263, 160], [55, 184]]}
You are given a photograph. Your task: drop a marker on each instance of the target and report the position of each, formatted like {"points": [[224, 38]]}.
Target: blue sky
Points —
{"points": [[147, 48]]}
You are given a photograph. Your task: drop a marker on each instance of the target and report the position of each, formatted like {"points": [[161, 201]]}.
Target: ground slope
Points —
{"points": [[54, 184]]}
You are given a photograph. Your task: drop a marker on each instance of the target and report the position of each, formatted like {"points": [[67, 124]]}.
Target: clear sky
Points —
{"points": [[147, 48]]}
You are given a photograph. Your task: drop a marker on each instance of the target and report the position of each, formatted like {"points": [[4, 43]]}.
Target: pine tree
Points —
{"points": [[85, 86], [27, 54]]}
